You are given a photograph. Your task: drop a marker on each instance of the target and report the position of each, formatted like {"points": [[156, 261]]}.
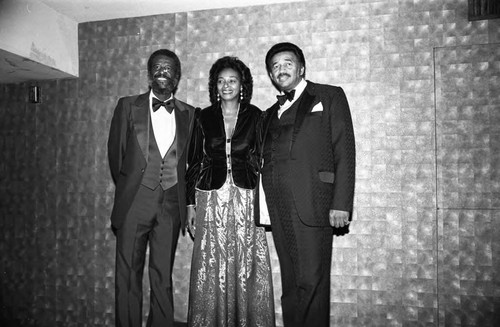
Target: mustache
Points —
{"points": [[160, 86], [161, 74], [283, 74]]}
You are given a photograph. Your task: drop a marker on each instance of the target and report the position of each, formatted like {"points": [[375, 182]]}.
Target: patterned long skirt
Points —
{"points": [[231, 283]]}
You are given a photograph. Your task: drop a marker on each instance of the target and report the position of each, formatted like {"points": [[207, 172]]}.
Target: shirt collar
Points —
{"points": [[298, 91], [152, 95]]}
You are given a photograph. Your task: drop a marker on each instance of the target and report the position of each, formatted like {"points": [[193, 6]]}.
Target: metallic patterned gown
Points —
{"points": [[231, 281]]}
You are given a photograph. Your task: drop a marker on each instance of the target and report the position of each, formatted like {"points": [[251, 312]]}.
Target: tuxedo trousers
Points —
{"points": [[153, 219], [304, 253]]}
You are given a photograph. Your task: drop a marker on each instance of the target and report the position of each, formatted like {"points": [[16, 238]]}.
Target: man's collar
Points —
{"points": [[152, 95], [298, 91], [299, 88]]}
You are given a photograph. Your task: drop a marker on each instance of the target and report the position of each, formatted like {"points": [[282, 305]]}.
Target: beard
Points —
{"points": [[166, 86]]}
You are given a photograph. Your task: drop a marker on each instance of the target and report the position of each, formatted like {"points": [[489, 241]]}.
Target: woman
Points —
{"points": [[230, 272]]}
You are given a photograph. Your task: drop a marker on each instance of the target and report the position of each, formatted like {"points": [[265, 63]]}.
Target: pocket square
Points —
{"points": [[327, 176], [317, 107]]}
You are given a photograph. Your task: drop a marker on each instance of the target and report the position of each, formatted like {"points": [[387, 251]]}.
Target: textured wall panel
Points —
{"points": [[469, 268], [468, 126], [401, 265], [468, 152]]}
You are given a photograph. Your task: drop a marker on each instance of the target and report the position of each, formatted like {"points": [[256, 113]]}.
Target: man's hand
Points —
{"points": [[191, 219], [339, 218]]}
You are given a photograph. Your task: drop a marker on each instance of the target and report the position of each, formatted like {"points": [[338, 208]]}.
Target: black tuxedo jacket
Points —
{"points": [[322, 157], [128, 147]]}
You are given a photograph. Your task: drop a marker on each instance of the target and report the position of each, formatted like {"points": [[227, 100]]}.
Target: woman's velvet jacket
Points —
{"points": [[207, 163]]}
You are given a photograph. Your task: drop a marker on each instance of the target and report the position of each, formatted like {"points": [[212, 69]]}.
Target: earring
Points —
{"points": [[218, 97], [241, 94]]}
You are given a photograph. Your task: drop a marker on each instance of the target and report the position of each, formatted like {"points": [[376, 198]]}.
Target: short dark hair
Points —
{"points": [[169, 54], [282, 47], [240, 68]]}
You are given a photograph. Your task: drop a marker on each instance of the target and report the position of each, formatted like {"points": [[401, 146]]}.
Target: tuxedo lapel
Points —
{"points": [[141, 118], [270, 113], [268, 117], [181, 126], [305, 106]]}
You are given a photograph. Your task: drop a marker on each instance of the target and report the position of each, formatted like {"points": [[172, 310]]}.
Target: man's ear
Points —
{"points": [[302, 71]]}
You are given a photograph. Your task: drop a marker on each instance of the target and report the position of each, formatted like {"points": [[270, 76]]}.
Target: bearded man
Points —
{"points": [[147, 157]]}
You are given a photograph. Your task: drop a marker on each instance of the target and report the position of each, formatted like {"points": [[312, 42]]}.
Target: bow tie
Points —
{"points": [[286, 96], [169, 105]]}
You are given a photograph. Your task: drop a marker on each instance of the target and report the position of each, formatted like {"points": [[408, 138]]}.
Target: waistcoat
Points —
{"points": [[160, 171], [279, 138]]}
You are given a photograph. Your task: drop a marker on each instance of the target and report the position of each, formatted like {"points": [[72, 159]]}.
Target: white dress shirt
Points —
{"points": [[298, 91], [163, 125]]}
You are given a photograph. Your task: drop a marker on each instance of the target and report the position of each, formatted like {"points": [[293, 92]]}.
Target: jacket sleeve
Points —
{"points": [[344, 152], [194, 159], [117, 139]]}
